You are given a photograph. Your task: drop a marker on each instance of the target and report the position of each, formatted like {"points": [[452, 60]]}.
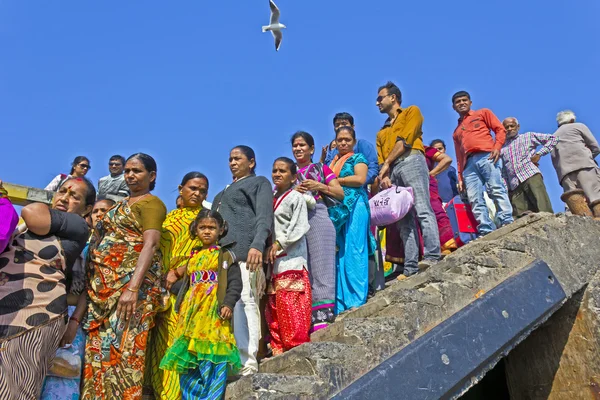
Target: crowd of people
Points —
{"points": [[173, 304]]}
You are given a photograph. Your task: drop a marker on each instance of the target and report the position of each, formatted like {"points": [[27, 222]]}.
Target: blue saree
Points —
{"points": [[354, 241]]}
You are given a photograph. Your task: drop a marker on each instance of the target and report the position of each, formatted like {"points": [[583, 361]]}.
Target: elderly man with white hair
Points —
{"points": [[578, 172], [521, 157]]}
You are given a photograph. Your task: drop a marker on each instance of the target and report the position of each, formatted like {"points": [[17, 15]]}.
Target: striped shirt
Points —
{"points": [[517, 152]]}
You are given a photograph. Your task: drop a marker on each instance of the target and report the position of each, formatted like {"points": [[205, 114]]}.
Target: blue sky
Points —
{"points": [[185, 81]]}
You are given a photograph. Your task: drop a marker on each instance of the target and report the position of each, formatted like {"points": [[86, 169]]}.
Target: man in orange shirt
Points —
{"points": [[401, 155], [479, 162]]}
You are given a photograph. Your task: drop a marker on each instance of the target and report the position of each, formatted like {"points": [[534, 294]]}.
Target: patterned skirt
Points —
{"points": [[205, 382], [288, 310], [165, 384], [25, 360], [321, 265], [56, 388]]}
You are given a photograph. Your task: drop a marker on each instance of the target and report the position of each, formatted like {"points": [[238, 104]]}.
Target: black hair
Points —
{"points": [[149, 164], [249, 153], [102, 198], [460, 93], [346, 128], [207, 213], [392, 89], [343, 116], [436, 141], [290, 163], [304, 135], [176, 199], [117, 157], [76, 161], [193, 175], [90, 194]]}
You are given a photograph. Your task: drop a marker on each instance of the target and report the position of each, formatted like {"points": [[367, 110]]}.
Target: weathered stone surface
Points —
{"points": [[570, 344], [276, 386], [405, 310]]}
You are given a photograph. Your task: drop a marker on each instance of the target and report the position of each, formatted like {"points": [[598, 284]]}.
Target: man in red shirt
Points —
{"points": [[479, 162]]}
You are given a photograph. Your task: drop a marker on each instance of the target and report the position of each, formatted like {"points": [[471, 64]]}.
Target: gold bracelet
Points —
{"points": [[133, 290]]}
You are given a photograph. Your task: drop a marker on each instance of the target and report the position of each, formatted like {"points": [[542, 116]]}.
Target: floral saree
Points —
{"points": [[116, 349]]}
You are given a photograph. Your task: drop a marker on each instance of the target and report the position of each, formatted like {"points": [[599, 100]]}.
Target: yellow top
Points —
{"points": [[407, 127]]}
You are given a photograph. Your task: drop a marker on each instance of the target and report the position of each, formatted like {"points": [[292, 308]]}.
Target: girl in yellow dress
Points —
{"points": [[204, 348]]}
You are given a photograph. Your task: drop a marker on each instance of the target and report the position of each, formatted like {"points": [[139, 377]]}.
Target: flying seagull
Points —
{"points": [[274, 26]]}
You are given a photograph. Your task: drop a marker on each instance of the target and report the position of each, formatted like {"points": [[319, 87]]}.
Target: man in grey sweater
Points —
{"points": [[573, 159]]}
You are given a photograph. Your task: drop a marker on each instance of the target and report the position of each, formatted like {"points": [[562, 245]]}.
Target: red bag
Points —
{"points": [[464, 224]]}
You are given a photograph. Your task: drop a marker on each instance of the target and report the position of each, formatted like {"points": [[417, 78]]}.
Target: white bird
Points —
{"points": [[274, 26]]}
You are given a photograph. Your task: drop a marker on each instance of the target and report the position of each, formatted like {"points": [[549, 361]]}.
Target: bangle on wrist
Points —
{"points": [[75, 319], [177, 274], [133, 290]]}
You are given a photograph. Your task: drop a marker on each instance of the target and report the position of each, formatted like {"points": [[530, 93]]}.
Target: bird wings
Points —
{"points": [[278, 36], [274, 13]]}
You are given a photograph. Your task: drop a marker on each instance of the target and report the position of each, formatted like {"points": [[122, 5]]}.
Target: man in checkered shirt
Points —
{"points": [[521, 157]]}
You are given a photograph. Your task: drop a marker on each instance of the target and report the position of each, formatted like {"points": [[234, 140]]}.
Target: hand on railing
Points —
{"points": [[3, 191]]}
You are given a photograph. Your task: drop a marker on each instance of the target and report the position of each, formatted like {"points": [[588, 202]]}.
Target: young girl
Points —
{"points": [[204, 346], [288, 310]]}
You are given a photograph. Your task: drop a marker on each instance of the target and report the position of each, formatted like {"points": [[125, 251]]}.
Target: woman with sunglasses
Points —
{"points": [[176, 245], [79, 168]]}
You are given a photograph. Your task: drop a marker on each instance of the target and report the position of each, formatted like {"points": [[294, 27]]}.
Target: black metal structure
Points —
{"points": [[452, 357]]}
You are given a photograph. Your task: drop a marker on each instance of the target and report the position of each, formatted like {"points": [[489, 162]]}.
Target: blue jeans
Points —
{"points": [[412, 172], [481, 172]]}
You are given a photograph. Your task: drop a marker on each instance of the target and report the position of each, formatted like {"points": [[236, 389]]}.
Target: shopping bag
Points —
{"points": [[391, 205]]}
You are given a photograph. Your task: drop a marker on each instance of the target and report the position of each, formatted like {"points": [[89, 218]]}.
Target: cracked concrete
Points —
{"points": [[361, 338]]}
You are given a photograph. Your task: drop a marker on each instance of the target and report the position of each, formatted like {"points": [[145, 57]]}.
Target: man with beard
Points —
{"points": [[401, 156]]}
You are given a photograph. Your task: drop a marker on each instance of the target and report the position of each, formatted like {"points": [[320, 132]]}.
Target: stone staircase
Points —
{"points": [[363, 338]]}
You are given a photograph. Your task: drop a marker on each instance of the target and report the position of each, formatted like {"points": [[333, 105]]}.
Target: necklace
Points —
{"points": [[141, 197]]}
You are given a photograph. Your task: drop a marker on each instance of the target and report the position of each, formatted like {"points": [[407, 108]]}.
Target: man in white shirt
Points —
{"points": [[113, 186]]}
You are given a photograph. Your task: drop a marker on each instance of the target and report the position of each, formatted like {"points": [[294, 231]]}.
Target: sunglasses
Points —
{"points": [[379, 98], [85, 166]]}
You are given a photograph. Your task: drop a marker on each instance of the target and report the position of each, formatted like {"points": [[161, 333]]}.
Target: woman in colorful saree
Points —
{"points": [[354, 239], [124, 292], [320, 181], [438, 162], [176, 245], [36, 269]]}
